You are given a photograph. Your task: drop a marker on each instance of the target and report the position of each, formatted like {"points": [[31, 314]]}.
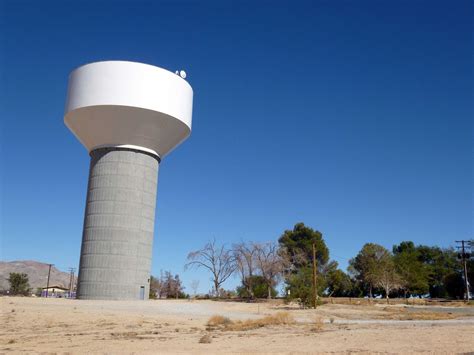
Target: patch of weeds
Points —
{"points": [[224, 323], [403, 314], [126, 335], [217, 320], [317, 325], [205, 339]]}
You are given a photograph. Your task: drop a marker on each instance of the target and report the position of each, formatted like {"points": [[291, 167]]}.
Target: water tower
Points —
{"points": [[128, 116]]}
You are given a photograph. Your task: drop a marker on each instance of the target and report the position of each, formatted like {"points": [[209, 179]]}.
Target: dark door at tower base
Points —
{"points": [[142, 292]]}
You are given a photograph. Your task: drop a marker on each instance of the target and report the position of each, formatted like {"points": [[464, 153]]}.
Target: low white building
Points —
{"points": [[55, 291]]}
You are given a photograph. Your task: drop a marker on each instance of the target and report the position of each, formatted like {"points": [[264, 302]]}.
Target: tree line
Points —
{"points": [[407, 270]]}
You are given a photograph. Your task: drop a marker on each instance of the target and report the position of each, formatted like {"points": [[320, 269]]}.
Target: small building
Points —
{"points": [[55, 291]]}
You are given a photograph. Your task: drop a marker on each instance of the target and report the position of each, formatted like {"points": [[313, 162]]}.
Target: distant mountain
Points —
{"points": [[37, 274]]}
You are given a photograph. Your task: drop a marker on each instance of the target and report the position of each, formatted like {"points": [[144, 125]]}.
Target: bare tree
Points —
{"points": [[386, 276], [194, 286], [217, 259], [244, 256], [172, 285], [166, 286], [270, 263], [156, 286]]}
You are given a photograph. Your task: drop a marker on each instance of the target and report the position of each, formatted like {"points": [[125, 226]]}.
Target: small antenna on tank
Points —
{"points": [[181, 73]]}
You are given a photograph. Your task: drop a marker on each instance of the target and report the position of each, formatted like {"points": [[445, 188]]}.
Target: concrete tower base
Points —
{"points": [[118, 225]]}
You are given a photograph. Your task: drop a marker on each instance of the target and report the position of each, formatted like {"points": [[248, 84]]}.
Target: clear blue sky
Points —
{"points": [[354, 117]]}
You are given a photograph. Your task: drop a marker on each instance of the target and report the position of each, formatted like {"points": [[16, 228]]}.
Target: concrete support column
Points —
{"points": [[118, 225]]}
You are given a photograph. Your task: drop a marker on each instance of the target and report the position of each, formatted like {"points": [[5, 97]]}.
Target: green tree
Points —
{"points": [[300, 282], [364, 267], [441, 265], [298, 245], [454, 285], [470, 273], [339, 284], [19, 283], [358, 289], [409, 265], [259, 288], [299, 286]]}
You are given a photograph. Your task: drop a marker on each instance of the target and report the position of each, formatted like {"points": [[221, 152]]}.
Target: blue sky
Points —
{"points": [[354, 117]]}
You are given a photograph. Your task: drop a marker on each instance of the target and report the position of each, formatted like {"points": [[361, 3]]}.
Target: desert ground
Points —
{"points": [[34, 325]]}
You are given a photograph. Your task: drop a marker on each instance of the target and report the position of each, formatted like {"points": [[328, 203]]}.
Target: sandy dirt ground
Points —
{"points": [[34, 325]]}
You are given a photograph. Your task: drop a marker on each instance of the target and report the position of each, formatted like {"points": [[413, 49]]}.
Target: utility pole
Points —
{"points": [[71, 280], [315, 293], [463, 255], [47, 285]]}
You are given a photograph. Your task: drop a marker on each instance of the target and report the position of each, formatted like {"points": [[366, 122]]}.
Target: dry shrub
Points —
{"points": [[205, 339], [224, 323], [280, 318], [217, 320], [317, 325]]}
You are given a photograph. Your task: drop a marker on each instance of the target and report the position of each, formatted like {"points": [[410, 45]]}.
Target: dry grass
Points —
{"points": [[402, 314], [317, 325], [224, 323], [218, 320], [425, 316]]}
